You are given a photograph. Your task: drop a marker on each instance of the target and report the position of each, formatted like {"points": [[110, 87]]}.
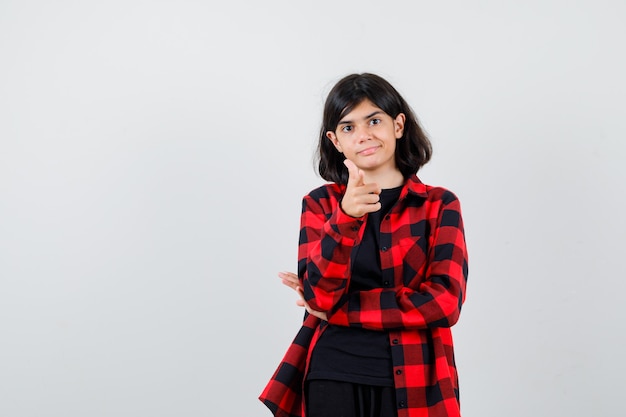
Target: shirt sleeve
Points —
{"points": [[327, 237], [434, 302]]}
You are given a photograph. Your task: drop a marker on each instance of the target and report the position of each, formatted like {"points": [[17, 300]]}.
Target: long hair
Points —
{"points": [[413, 150]]}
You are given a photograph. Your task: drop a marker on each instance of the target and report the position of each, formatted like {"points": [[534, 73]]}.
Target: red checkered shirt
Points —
{"points": [[423, 253]]}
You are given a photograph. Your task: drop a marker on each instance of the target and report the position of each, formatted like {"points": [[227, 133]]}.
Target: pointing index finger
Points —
{"points": [[355, 175]]}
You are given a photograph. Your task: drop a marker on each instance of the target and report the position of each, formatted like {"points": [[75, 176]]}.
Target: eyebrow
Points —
{"points": [[347, 122]]}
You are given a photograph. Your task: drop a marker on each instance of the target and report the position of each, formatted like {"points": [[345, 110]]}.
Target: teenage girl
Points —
{"points": [[382, 269]]}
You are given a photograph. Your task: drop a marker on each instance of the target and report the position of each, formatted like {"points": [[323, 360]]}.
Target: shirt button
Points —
{"points": [[354, 228], [386, 283], [401, 404], [384, 248], [399, 372], [395, 341]]}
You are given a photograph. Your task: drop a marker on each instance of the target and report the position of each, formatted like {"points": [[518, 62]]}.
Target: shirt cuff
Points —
{"points": [[346, 225]]}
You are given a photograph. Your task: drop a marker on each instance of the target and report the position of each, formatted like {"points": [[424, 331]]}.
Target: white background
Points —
{"points": [[153, 156]]}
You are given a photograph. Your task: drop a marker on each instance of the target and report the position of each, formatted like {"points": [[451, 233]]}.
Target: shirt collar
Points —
{"points": [[413, 186]]}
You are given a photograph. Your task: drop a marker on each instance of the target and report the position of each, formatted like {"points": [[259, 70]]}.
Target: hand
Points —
{"points": [[360, 198], [291, 280]]}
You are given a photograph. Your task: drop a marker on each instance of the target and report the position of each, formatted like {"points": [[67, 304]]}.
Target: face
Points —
{"points": [[367, 136]]}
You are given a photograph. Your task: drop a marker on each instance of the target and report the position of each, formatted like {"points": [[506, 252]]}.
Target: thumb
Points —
{"points": [[355, 175]]}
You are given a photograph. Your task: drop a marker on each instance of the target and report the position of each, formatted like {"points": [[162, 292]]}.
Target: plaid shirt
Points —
{"points": [[423, 254]]}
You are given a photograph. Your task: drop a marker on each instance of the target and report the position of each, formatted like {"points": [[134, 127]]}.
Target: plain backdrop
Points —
{"points": [[153, 157]]}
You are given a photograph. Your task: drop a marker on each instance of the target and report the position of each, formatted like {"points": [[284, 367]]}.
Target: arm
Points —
{"points": [[327, 237], [330, 225], [432, 300]]}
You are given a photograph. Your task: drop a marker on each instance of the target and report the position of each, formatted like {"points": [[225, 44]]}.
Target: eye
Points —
{"points": [[375, 121], [346, 129]]}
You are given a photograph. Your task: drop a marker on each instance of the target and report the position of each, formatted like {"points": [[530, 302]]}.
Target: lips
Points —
{"points": [[368, 151]]}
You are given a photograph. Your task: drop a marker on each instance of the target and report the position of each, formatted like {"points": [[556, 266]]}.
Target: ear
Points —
{"points": [[333, 138], [399, 125]]}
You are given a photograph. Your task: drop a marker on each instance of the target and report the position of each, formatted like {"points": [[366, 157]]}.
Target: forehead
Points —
{"points": [[362, 110]]}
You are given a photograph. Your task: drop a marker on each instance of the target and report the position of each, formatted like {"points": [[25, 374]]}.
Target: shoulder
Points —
{"points": [[431, 193], [324, 198], [330, 191], [445, 196]]}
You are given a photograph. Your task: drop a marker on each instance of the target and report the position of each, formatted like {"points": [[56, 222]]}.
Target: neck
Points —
{"points": [[387, 180]]}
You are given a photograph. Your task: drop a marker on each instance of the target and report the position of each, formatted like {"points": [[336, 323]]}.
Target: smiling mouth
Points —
{"points": [[368, 151]]}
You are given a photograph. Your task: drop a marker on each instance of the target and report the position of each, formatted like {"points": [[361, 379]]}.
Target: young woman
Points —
{"points": [[382, 270]]}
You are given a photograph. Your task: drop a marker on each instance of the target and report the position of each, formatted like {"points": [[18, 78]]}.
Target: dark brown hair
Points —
{"points": [[413, 150]]}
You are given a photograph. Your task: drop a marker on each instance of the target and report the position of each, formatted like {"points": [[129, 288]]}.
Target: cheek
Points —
{"points": [[393, 144]]}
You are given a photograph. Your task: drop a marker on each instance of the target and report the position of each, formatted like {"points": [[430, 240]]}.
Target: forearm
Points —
{"points": [[423, 297], [432, 305]]}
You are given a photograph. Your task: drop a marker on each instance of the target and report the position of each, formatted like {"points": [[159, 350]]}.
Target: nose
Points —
{"points": [[362, 134]]}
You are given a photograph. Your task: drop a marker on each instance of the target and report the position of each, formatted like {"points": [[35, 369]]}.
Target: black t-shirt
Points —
{"points": [[353, 354]]}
